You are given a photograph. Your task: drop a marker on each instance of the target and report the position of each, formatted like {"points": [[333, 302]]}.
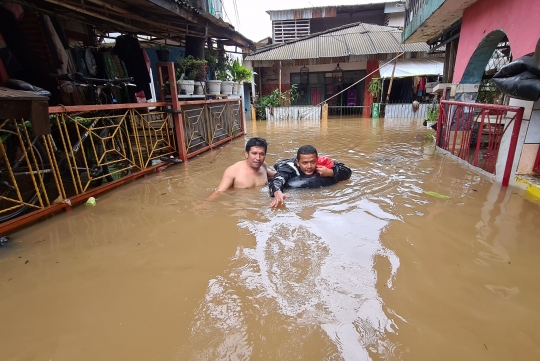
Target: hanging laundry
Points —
{"points": [[57, 46], [422, 86], [129, 51], [90, 62]]}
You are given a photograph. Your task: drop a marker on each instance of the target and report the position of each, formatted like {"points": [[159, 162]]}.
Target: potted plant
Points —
{"points": [[239, 74], [213, 86], [375, 88], [189, 71], [226, 83], [163, 52]]}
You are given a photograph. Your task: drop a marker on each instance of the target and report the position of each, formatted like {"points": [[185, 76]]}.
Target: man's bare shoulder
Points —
{"points": [[236, 166]]}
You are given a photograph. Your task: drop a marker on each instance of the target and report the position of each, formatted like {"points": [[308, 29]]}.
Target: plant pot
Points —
{"points": [[213, 87], [163, 55], [226, 87], [239, 88], [235, 88], [199, 88], [186, 87]]}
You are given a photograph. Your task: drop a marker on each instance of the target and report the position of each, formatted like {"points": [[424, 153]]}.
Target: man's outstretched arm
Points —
{"points": [[276, 184], [227, 182]]}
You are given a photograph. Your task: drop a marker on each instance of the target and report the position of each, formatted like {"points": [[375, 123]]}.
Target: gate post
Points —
{"points": [[512, 148], [177, 109]]}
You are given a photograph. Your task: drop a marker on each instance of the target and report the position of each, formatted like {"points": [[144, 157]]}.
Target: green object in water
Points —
{"points": [[436, 195], [375, 111]]}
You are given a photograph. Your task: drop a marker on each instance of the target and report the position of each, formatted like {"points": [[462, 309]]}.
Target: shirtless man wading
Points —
{"points": [[248, 173]]}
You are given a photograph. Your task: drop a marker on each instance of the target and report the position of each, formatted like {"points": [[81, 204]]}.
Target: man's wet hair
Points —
{"points": [[306, 149], [256, 142]]}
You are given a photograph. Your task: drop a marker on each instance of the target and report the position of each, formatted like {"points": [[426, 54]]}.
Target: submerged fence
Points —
{"points": [[406, 110], [295, 112], [346, 111], [91, 149], [386, 110], [474, 132]]}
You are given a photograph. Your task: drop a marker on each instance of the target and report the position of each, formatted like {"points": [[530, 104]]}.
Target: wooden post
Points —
{"points": [[242, 115], [177, 116], [389, 85], [324, 112]]}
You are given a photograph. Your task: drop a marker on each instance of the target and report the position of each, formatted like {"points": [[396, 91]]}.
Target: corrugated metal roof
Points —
{"points": [[350, 40]]}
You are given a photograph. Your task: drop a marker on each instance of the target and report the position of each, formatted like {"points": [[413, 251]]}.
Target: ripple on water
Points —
{"points": [[312, 269]]}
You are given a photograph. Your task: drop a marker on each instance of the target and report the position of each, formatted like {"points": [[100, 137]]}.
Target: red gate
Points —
{"points": [[473, 132]]}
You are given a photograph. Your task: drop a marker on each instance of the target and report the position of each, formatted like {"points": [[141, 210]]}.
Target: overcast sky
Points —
{"points": [[255, 22]]}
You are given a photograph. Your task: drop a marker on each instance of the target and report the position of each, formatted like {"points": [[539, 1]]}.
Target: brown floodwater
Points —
{"points": [[369, 269]]}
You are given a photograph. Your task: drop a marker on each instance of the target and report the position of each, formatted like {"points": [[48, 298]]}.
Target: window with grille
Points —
{"points": [[488, 93], [286, 30]]}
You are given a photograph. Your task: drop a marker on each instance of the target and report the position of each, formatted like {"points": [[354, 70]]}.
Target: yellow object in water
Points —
{"points": [[90, 202], [436, 195]]}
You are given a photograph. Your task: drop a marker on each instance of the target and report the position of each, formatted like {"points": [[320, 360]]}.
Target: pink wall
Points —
{"points": [[517, 18]]}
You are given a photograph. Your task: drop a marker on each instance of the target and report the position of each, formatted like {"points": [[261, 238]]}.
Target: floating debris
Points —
{"points": [[436, 195]]}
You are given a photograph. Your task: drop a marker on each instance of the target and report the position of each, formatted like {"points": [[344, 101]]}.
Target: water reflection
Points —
{"points": [[312, 267]]}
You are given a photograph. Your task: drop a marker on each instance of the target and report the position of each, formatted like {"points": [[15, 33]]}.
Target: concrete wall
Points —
{"points": [[532, 139], [516, 18]]}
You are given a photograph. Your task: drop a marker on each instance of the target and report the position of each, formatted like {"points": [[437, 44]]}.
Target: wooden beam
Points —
{"points": [[203, 20], [132, 15], [125, 26]]}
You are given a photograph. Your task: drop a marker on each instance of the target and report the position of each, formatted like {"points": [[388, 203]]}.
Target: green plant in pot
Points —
{"points": [[239, 73], [375, 88], [163, 52], [190, 70]]}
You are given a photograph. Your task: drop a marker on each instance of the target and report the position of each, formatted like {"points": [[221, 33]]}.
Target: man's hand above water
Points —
{"points": [[325, 172], [279, 199]]}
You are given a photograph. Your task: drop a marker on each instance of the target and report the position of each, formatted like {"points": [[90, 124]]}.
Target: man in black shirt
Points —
{"points": [[309, 168]]}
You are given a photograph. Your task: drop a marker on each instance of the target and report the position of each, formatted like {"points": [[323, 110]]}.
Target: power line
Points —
{"points": [[237, 16]]}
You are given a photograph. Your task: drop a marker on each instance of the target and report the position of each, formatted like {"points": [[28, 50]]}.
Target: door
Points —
{"points": [[316, 95]]}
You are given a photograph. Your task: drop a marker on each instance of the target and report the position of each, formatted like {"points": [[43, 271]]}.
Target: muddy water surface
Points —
{"points": [[369, 269]]}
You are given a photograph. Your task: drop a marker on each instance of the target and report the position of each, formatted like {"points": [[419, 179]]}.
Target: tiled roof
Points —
{"points": [[347, 40]]}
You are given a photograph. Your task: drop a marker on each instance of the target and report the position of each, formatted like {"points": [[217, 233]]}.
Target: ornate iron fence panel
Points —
{"points": [[209, 124], [196, 130], [153, 137], [81, 153], [29, 175], [218, 122]]}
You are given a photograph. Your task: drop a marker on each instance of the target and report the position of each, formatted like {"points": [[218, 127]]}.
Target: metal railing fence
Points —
{"points": [[346, 111], [473, 132], [91, 149], [210, 123]]}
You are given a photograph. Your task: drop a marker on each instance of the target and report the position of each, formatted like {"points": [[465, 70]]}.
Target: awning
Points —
{"points": [[412, 67]]}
